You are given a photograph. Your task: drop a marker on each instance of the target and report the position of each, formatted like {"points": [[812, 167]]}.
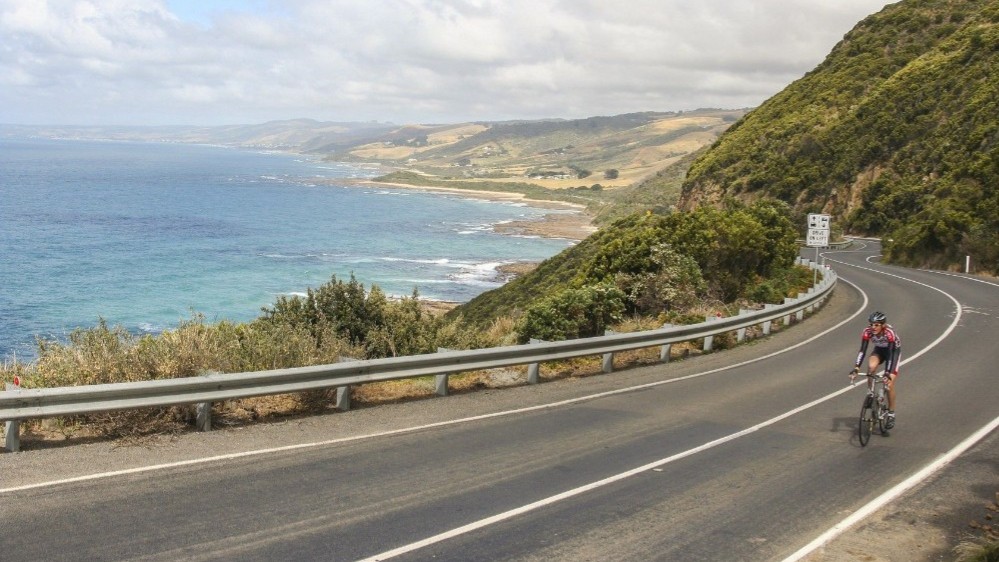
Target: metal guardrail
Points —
{"points": [[845, 243], [202, 390]]}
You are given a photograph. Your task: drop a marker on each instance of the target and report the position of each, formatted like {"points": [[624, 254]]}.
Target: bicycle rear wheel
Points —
{"points": [[866, 425]]}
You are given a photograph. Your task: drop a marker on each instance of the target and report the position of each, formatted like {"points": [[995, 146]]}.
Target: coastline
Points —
{"points": [[573, 225]]}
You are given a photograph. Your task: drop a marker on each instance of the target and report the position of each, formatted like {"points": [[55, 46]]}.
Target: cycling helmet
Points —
{"points": [[877, 317]]}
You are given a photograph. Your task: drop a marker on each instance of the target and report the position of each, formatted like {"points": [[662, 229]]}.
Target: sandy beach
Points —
{"points": [[575, 225]]}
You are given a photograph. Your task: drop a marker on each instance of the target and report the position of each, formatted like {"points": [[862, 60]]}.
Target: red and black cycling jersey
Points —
{"points": [[887, 346]]}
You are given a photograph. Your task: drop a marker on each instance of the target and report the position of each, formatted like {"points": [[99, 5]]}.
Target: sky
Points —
{"points": [[227, 62]]}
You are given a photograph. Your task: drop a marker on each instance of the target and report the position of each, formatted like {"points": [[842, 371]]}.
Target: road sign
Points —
{"points": [[817, 237], [818, 221], [818, 230]]}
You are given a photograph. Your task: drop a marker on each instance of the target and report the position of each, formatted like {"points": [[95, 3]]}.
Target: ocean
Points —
{"points": [[145, 235]]}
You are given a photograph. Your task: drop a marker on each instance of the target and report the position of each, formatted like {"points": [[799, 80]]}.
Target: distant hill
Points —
{"points": [[554, 153], [610, 151], [895, 134]]}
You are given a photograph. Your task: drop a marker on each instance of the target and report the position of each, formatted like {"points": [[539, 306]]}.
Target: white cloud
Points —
{"points": [[247, 61]]}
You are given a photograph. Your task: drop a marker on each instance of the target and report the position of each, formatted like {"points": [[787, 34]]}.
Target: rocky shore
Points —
{"points": [[572, 226]]}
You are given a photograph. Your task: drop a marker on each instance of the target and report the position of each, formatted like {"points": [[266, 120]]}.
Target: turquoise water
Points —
{"points": [[145, 234]]}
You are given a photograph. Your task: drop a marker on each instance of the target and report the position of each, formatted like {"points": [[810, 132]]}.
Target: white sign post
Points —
{"points": [[818, 235]]}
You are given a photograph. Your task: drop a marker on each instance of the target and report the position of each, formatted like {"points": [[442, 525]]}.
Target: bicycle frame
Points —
{"points": [[874, 408], [876, 387]]}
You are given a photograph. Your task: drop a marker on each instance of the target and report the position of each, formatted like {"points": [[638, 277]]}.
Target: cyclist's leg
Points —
{"points": [[890, 388], [891, 392], [873, 362], [891, 383]]}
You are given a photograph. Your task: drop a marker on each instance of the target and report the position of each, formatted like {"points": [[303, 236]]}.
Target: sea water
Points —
{"points": [[145, 235]]}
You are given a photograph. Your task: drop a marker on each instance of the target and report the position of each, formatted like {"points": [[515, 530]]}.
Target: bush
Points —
{"points": [[675, 283], [573, 313]]}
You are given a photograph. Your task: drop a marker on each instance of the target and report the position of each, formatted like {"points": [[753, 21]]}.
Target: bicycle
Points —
{"points": [[875, 408]]}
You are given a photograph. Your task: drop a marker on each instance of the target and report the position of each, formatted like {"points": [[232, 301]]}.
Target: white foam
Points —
{"points": [[438, 261]]}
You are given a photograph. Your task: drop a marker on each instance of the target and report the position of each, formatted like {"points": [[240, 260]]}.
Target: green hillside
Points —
{"points": [[895, 134], [717, 254]]}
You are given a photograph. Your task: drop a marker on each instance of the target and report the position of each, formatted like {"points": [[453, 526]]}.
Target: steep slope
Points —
{"points": [[733, 249], [894, 134]]}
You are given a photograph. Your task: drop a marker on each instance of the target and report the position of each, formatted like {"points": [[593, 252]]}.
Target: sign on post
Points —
{"points": [[817, 238], [818, 231]]}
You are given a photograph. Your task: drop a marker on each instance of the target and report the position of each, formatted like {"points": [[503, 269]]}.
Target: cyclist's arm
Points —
{"points": [[863, 351]]}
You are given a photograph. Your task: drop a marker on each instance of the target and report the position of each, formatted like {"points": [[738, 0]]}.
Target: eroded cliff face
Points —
{"points": [[855, 192], [840, 202], [844, 199], [704, 194]]}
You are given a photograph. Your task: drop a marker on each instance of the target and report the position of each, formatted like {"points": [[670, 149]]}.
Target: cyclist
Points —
{"points": [[886, 351]]}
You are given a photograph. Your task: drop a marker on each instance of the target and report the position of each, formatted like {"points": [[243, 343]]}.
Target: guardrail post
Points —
{"points": [[12, 436], [765, 326], [12, 428], [710, 340], [343, 392], [203, 420], [342, 398], [608, 362], [533, 369], [664, 350], [203, 410], [440, 381], [787, 318], [800, 315], [440, 385], [740, 334]]}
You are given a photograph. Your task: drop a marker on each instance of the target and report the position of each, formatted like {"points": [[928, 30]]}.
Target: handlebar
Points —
{"points": [[855, 372]]}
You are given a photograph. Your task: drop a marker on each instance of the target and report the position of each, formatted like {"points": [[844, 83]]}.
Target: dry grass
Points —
{"points": [[107, 350]]}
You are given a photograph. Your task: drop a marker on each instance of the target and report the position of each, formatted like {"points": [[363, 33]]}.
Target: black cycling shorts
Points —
{"points": [[882, 353]]}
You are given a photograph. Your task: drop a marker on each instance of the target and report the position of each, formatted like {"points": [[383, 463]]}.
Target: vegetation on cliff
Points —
{"points": [[895, 134], [659, 263]]}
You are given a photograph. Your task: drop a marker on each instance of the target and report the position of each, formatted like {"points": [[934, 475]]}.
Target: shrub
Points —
{"points": [[573, 313], [676, 282]]}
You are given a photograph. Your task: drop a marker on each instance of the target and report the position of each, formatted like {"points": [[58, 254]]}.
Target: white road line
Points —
{"points": [[960, 276]]}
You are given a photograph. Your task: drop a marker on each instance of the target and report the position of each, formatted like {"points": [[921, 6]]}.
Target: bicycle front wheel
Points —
{"points": [[881, 412], [866, 425]]}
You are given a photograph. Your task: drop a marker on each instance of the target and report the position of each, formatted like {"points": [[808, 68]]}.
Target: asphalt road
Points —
{"points": [[746, 454]]}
